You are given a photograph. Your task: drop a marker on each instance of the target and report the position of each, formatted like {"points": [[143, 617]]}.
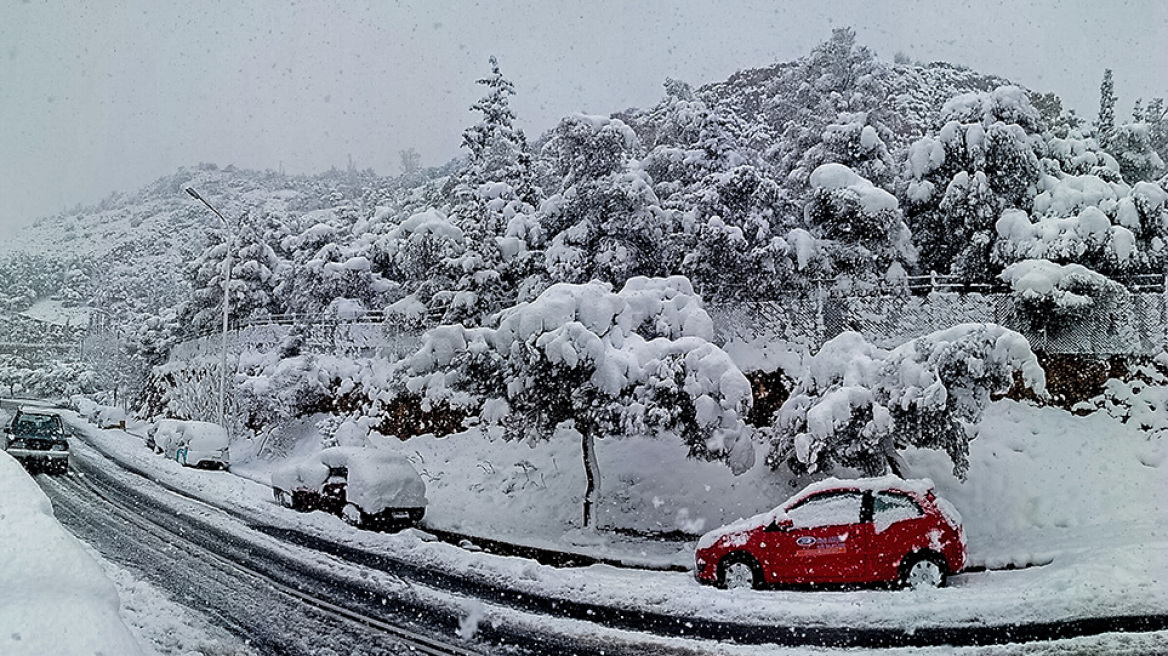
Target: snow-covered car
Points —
{"points": [[163, 432], [109, 416], [37, 439], [191, 443], [875, 530], [84, 405], [367, 486]]}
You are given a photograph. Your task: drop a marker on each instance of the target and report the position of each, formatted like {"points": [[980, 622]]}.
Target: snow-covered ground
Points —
{"points": [[1080, 499], [54, 598]]}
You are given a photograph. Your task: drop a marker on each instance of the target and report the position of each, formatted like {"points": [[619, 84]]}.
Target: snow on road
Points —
{"points": [[54, 598], [162, 626], [1081, 497]]}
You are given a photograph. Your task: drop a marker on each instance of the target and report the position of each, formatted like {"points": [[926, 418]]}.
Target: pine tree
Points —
{"points": [[493, 190], [1105, 122]]}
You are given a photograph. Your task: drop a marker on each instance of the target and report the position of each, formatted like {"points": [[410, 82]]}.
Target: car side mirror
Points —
{"points": [[780, 525]]}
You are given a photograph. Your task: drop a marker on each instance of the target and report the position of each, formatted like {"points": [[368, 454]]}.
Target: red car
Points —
{"points": [[840, 532]]}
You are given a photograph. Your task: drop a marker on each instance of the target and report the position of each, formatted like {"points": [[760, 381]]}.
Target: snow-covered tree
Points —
{"points": [[498, 149], [252, 278], [494, 192], [858, 405], [1105, 120], [982, 162], [636, 362], [1131, 145], [1052, 297], [735, 224], [606, 223], [860, 225]]}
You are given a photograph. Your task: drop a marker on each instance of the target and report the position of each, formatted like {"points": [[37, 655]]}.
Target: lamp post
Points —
{"points": [[226, 307]]}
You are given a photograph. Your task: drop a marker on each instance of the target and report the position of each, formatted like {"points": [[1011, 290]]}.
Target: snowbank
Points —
{"points": [[54, 599]]}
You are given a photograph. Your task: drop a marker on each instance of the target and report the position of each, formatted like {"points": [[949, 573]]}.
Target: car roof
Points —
{"points": [[38, 413], [917, 487]]}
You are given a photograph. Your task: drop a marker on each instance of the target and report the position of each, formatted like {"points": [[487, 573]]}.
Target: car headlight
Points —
{"points": [[61, 446]]}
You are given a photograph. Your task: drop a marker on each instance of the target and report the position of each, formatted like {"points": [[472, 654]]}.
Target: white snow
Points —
{"points": [[872, 199], [1076, 497], [54, 599]]}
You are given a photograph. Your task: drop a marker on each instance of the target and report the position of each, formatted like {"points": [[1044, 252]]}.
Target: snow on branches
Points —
{"points": [[636, 361], [858, 405]]}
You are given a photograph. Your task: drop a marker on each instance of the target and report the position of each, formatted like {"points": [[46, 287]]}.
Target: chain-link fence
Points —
{"points": [[1129, 323]]}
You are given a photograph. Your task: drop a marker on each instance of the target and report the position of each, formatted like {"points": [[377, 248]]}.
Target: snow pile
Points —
{"points": [[54, 599]]}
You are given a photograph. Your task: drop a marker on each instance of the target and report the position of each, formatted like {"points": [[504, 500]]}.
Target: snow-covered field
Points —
{"points": [[1076, 502]]}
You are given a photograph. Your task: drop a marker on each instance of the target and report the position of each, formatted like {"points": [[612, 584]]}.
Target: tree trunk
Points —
{"points": [[591, 473]]}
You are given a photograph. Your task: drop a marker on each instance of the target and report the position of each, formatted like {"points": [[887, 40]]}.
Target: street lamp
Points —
{"points": [[226, 308]]}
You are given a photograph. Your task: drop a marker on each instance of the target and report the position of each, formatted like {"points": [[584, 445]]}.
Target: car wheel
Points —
{"points": [[352, 515], [739, 572], [922, 571]]}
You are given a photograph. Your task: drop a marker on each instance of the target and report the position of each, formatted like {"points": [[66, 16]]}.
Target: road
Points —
{"points": [[278, 604], [282, 591], [291, 592]]}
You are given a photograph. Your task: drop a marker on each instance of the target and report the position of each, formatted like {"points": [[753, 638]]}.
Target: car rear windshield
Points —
{"points": [[38, 425]]}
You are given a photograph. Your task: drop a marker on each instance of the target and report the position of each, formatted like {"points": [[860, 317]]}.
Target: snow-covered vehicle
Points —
{"points": [[84, 405], [191, 443], [161, 433], [37, 439], [109, 416], [367, 486], [876, 530]]}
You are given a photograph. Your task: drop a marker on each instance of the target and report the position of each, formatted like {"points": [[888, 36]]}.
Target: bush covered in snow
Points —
{"points": [[1052, 296], [858, 406]]}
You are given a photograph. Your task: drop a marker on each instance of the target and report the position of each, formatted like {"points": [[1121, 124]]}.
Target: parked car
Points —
{"points": [[161, 433], [37, 439], [367, 486], [840, 532], [109, 416], [191, 443], [84, 405]]}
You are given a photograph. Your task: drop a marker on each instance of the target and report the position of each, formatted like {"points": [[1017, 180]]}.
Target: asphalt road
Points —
{"points": [[264, 586], [245, 582]]}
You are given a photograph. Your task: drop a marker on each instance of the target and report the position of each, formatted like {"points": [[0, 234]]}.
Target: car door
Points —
{"points": [[899, 527], [824, 542]]}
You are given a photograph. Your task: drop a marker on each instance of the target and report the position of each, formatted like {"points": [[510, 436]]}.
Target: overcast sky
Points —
{"points": [[107, 96]]}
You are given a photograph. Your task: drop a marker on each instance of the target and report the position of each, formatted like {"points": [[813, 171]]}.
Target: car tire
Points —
{"points": [[739, 571], [352, 515], [922, 570]]}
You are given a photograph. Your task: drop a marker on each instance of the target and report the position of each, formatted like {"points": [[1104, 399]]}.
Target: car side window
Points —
{"points": [[889, 508], [827, 509]]}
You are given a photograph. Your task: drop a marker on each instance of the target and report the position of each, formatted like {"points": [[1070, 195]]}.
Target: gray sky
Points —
{"points": [[109, 95]]}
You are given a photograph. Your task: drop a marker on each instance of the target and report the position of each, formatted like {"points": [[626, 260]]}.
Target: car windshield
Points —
{"points": [[520, 326]]}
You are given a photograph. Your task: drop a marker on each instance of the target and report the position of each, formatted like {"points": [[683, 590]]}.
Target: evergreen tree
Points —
{"points": [[1105, 121], [493, 191]]}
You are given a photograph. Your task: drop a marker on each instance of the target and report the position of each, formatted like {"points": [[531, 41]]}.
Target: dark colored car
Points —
{"points": [[368, 487], [878, 530], [37, 439]]}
